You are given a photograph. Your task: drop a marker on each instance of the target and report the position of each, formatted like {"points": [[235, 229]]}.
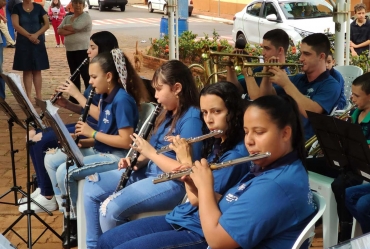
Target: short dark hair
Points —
{"points": [[319, 42], [364, 82], [278, 38], [283, 111], [359, 7]]}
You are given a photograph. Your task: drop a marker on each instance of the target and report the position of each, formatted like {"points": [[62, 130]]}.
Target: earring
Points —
{"points": [[108, 85]]}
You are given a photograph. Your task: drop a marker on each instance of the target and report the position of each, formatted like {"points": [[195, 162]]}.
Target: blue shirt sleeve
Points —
{"points": [[326, 93]]}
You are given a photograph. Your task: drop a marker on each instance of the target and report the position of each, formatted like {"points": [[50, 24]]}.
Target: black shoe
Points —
{"points": [[73, 235], [10, 46]]}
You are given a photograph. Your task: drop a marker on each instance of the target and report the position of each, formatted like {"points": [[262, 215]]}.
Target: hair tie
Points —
{"points": [[120, 62]]}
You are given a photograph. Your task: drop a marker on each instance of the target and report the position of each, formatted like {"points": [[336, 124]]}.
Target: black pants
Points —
{"points": [[75, 59]]}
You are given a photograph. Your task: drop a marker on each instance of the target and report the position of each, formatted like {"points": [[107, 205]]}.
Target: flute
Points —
{"points": [[178, 174], [58, 94], [192, 140], [84, 115]]}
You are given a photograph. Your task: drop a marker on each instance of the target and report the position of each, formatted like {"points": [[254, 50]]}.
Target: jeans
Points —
{"points": [[152, 232], [358, 204], [140, 195], [37, 153], [94, 162]]}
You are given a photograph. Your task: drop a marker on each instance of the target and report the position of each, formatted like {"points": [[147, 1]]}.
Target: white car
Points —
{"points": [[161, 5], [298, 18], [108, 4]]}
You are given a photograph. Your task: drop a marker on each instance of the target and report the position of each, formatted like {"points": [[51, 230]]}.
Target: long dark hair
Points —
{"points": [[229, 93], [283, 111], [105, 41], [173, 72], [134, 84]]}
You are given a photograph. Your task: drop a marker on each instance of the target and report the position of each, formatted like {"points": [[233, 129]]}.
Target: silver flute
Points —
{"points": [[192, 140], [178, 174]]}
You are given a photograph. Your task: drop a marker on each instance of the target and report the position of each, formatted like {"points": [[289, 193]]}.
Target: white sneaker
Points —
{"points": [[50, 205], [34, 194], [57, 46]]}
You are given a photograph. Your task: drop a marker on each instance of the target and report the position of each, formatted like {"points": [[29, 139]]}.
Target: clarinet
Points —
{"points": [[58, 94], [144, 133], [84, 115]]}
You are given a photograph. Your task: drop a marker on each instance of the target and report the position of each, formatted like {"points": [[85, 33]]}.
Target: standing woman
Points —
{"points": [[57, 13], [77, 28], [30, 20], [176, 91], [265, 209]]}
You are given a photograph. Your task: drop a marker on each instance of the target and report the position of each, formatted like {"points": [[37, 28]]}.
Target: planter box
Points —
{"points": [[152, 62]]}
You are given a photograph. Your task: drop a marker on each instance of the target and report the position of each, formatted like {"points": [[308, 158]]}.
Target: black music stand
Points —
{"points": [[32, 118], [68, 146], [343, 144], [12, 118]]}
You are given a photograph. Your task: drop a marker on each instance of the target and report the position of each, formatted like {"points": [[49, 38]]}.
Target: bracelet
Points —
{"points": [[94, 134]]}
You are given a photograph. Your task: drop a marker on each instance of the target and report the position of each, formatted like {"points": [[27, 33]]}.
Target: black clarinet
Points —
{"points": [[84, 115], [58, 94], [144, 133]]}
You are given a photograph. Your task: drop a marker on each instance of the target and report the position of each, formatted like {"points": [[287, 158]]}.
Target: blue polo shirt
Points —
{"points": [[186, 215], [342, 98], [324, 90], [365, 123], [117, 110], [189, 125], [268, 209]]}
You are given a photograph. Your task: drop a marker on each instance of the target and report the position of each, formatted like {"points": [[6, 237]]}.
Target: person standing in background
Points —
{"points": [[2, 83], [360, 31], [56, 14], [31, 22], [4, 28]]}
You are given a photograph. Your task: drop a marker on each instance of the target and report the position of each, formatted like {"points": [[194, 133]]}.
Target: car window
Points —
{"points": [[269, 9], [306, 9], [254, 9]]}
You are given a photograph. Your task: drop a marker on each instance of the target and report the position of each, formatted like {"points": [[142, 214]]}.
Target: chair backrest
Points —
{"points": [[309, 231], [146, 110], [349, 73]]}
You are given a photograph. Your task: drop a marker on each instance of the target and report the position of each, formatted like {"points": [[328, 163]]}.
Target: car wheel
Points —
{"points": [[165, 10], [241, 36], [88, 4], [123, 8], [150, 9], [101, 6]]}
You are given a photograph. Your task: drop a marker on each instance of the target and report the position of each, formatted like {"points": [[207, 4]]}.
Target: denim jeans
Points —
{"points": [[37, 153], [358, 204], [94, 162], [139, 196], [152, 232]]}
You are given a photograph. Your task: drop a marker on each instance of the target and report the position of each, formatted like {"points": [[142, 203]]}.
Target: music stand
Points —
{"points": [[12, 118], [343, 145], [14, 83], [68, 145]]}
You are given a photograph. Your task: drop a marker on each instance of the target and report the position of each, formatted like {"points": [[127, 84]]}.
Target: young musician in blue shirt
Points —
{"points": [[117, 116], [176, 91], [103, 41], [244, 215]]}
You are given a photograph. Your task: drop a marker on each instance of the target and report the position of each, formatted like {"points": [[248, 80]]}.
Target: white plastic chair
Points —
{"points": [[309, 231], [144, 115], [349, 73]]}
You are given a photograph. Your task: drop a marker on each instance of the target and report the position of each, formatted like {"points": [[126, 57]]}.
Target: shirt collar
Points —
{"points": [[357, 112], [285, 160], [321, 77], [109, 98]]}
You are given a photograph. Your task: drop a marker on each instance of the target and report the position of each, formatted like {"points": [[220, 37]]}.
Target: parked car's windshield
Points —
{"points": [[306, 9]]}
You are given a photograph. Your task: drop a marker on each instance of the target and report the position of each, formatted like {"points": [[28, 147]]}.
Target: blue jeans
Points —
{"points": [[152, 232], [358, 204], [94, 162], [139, 196], [37, 153]]}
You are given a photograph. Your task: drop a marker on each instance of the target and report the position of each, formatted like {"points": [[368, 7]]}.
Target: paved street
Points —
{"points": [[129, 26]]}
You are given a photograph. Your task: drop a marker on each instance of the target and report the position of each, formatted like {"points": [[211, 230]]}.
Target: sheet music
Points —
{"points": [[17, 80], [53, 111]]}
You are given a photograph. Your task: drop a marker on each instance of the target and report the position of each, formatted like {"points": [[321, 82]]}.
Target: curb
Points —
{"points": [[217, 19]]}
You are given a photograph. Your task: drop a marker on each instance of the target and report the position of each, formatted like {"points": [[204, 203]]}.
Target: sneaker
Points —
{"points": [[50, 205], [57, 46], [33, 195]]}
